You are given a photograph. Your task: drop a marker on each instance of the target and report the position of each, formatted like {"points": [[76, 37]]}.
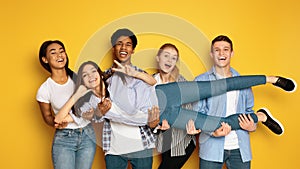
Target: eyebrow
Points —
{"points": [[52, 49]]}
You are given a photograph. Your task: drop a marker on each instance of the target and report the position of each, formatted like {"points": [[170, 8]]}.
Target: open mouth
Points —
{"points": [[123, 54], [168, 66], [92, 80], [60, 60], [222, 58]]}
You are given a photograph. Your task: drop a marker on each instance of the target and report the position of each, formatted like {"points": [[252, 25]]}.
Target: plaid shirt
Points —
{"points": [[148, 138]]}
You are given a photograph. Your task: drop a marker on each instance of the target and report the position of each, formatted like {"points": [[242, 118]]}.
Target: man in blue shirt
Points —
{"points": [[225, 145]]}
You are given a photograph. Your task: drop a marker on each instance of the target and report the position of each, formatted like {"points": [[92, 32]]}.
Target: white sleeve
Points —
{"points": [[116, 114], [43, 94]]}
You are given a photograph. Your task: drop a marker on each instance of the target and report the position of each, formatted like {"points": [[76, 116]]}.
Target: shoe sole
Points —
{"points": [[270, 114]]}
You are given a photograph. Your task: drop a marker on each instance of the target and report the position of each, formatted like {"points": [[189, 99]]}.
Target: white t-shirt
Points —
{"points": [[124, 139], [231, 140], [133, 96], [57, 95]]}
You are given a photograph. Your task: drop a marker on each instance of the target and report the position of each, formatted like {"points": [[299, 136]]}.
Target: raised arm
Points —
{"points": [[130, 71]]}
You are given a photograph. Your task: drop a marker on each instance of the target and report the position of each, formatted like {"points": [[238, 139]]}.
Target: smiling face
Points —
{"points": [[221, 54], [90, 76], [123, 49], [167, 59], [56, 56]]}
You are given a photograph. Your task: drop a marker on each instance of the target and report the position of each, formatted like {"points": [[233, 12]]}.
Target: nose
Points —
{"points": [[60, 54], [221, 53], [123, 46]]}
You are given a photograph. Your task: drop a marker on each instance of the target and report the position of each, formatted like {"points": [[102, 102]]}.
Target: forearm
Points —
{"points": [[146, 78], [49, 120], [64, 111]]}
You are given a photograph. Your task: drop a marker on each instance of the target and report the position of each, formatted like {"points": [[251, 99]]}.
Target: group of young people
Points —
{"points": [[141, 112]]}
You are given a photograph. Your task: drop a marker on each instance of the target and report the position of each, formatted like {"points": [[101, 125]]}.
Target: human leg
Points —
{"points": [[204, 164], [203, 121], [172, 95], [86, 148], [141, 159], [63, 149], [115, 162], [176, 162], [178, 93], [233, 160]]}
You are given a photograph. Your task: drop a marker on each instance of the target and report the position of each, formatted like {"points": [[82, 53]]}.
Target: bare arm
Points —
{"points": [[130, 71], [47, 113], [64, 111]]}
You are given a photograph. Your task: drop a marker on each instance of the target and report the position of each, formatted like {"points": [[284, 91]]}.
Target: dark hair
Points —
{"points": [[123, 32], [222, 38], [175, 72], [43, 53], [79, 82]]}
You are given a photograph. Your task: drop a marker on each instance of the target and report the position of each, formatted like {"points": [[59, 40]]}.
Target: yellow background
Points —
{"points": [[266, 41]]}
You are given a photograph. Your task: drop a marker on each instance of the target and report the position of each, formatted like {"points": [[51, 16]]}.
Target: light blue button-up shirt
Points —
{"points": [[212, 148]]}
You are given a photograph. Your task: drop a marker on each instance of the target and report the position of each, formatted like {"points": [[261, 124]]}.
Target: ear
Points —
{"points": [[44, 59], [157, 58], [211, 55], [232, 53], [133, 51]]}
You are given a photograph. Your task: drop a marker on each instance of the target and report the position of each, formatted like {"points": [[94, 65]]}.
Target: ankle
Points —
{"points": [[261, 117], [271, 79]]}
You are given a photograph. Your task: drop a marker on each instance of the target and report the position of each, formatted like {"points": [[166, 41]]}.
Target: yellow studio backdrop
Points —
{"points": [[265, 37]]}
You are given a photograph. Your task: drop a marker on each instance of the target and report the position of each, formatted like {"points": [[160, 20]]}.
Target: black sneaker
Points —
{"points": [[286, 84], [273, 124]]}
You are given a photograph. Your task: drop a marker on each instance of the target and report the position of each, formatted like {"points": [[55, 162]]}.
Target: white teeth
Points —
{"points": [[60, 60], [92, 80], [123, 53]]}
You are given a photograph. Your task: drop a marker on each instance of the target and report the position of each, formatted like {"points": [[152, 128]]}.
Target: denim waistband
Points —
{"points": [[77, 129]]}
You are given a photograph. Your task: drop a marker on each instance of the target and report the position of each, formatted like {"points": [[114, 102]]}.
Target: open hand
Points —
{"points": [[103, 106], [224, 130], [164, 125], [153, 116], [81, 91], [246, 122], [126, 69], [191, 129], [88, 114]]}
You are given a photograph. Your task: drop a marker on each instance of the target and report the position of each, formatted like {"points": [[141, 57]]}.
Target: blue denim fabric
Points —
{"points": [[232, 159], [74, 148], [172, 95], [138, 160]]}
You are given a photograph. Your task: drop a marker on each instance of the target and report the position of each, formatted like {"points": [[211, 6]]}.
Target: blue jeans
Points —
{"points": [[74, 148], [232, 159], [172, 96], [138, 160]]}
